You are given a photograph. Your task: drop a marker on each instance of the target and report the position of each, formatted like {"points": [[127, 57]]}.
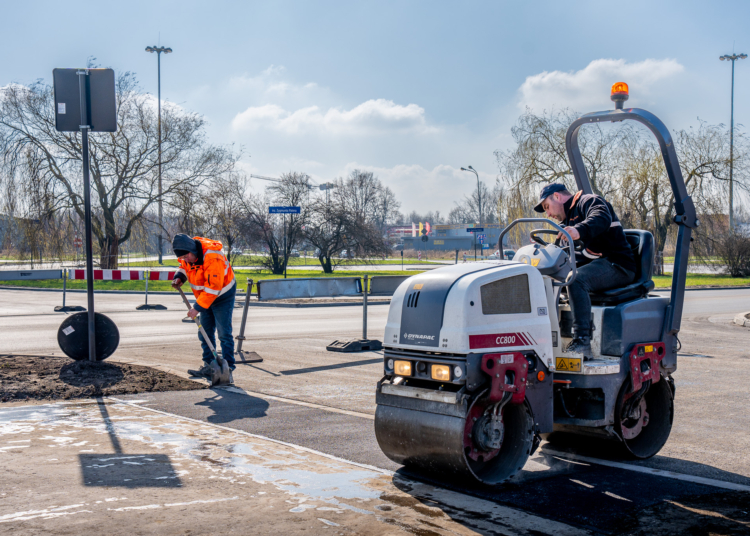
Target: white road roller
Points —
{"points": [[475, 369]]}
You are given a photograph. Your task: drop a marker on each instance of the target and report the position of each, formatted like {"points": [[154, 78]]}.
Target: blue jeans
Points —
{"points": [[219, 317], [597, 275]]}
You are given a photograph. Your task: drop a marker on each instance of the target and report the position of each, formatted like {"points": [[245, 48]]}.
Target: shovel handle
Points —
{"points": [[200, 327]]}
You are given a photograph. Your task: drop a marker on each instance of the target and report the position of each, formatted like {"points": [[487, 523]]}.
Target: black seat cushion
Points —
{"points": [[642, 244]]}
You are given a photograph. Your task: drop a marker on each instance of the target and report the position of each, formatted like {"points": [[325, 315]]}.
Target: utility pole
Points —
{"points": [[159, 51], [732, 58]]}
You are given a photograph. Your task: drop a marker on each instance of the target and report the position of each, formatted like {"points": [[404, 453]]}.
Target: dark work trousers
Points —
{"points": [[218, 317], [598, 275]]}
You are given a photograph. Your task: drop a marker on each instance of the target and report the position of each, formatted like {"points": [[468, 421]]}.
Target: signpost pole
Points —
{"points": [[286, 260], [82, 86], [364, 308]]}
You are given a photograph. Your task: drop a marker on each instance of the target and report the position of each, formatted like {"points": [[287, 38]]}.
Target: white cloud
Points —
{"points": [[371, 117], [589, 88], [422, 189]]}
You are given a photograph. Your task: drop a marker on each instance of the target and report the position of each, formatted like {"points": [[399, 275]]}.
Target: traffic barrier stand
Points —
{"points": [[155, 276], [280, 289], [358, 345], [67, 308], [246, 357]]}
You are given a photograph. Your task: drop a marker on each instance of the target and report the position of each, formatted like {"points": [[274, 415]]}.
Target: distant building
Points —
{"points": [[456, 237]]}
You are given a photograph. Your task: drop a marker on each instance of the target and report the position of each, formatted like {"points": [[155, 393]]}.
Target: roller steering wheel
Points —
{"points": [[577, 244]]}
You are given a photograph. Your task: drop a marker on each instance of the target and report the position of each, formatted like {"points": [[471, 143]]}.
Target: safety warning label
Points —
{"points": [[568, 364]]}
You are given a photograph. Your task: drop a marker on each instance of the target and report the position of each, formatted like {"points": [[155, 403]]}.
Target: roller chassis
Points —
{"points": [[510, 381]]}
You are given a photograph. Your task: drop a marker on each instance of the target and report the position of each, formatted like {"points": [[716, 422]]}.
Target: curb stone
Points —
{"points": [[743, 319]]}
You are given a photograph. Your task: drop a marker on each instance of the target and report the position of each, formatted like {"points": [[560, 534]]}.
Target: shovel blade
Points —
{"points": [[220, 373]]}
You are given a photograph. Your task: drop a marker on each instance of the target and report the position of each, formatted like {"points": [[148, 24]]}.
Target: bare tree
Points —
{"points": [[123, 163], [224, 209], [268, 230]]}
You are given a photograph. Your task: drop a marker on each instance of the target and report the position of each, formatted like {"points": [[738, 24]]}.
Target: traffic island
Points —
{"points": [[36, 377]]}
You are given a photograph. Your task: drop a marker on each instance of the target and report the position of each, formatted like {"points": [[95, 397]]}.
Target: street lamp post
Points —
{"points": [[159, 51], [479, 203], [732, 58], [479, 191]]}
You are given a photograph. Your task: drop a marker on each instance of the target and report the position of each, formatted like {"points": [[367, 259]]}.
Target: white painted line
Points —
{"points": [[298, 402], [650, 471], [256, 436]]}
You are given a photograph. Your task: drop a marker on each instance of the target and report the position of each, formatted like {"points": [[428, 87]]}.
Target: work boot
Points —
{"points": [[581, 344], [203, 372]]}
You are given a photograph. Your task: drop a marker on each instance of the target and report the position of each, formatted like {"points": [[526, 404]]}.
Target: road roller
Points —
{"points": [[475, 367]]}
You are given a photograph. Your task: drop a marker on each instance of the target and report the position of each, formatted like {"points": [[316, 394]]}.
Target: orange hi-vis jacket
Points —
{"points": [[211, 276]]}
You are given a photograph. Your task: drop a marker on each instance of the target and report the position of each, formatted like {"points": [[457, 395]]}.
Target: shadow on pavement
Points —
{"points": [[126, 470], [332, 367], [233, 406]]}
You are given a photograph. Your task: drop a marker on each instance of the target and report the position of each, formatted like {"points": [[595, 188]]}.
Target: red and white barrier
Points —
{"points": [[161, 276], [109, 275]]}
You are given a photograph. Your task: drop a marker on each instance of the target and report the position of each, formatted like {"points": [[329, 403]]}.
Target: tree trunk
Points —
{"points": [[109, 253], [325, 262]]}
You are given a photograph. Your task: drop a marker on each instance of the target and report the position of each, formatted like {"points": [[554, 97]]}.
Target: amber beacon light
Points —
{"points": [[619, 94]]}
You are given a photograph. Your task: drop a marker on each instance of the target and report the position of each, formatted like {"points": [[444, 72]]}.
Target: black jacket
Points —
{"points": [[600, 229]]}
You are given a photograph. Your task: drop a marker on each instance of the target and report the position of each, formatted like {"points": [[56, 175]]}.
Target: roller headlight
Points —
{"points": [[457, 372], [402, 368], [441, 373], [390, 364]]}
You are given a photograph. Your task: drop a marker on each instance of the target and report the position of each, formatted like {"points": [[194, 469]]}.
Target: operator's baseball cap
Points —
{"points": [[548, 191]]}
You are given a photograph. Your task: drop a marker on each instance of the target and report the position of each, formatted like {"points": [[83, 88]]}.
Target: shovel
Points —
{"points": [[220, 374]]}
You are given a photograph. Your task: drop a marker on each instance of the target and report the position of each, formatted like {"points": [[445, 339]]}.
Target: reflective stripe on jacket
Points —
{"points": [[211, 276]]}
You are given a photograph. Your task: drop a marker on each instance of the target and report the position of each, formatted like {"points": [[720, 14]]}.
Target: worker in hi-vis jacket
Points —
{"points": [[204, 265]]}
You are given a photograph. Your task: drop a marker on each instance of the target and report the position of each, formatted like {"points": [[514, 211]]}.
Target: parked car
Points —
{"points": [[294, 253], [237, 251], [509, 254]]}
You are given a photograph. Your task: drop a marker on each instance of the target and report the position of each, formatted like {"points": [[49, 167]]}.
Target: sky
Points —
{"points": [[410, 90]]}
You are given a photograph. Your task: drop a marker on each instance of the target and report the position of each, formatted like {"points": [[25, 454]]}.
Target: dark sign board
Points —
{"points": [[283, 210], [475, 229], [101, 107]]}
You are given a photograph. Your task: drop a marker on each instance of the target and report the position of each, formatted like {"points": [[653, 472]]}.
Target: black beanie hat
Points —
{"points": [[182, 244]]}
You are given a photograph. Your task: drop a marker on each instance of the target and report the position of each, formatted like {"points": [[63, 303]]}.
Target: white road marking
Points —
{"points": [[654, 472]]}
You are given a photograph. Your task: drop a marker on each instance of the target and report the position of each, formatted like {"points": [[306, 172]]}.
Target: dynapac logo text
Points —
{"points": [[418, 336]]}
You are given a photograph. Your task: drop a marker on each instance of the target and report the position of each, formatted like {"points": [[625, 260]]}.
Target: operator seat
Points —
{"points": [[642, 245]]}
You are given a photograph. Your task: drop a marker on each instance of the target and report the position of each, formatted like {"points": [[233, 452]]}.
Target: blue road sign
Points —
{"points": [[475, 229], [283, 210]]}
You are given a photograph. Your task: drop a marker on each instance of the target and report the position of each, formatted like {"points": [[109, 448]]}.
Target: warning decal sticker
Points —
{"points": [[568, 364]]}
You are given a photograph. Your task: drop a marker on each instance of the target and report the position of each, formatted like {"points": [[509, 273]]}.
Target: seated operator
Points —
{"points": [[606, 260]]}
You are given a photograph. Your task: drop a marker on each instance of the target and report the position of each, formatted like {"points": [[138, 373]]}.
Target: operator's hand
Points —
{"points": [[192, 313], [572, 231], [177, 282]]}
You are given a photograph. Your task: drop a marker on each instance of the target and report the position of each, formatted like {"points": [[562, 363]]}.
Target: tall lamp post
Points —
{"points": [[732, 58], [479, 202], [159, 51]]}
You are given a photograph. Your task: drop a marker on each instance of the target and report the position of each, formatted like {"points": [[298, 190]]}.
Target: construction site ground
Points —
{"points": [[290, 448]]}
